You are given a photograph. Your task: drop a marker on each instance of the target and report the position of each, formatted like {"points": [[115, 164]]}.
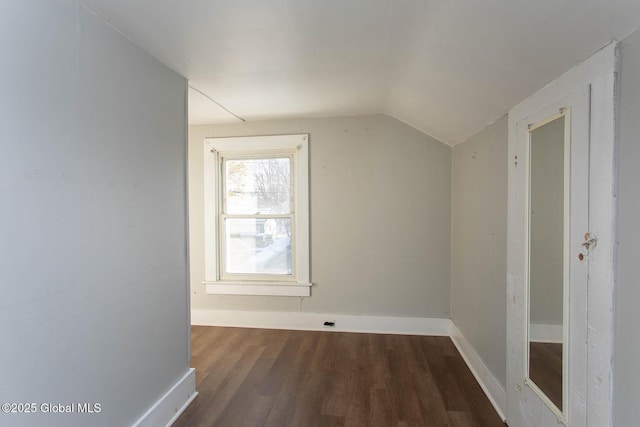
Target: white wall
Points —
{"points": [[479, 245], [93, 301], [627, 334], [380, 218]]}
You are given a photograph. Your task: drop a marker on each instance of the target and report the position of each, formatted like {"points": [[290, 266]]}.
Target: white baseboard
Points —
{"points": [[169, 407], [545, 333], [315, 321], [491, 386]]}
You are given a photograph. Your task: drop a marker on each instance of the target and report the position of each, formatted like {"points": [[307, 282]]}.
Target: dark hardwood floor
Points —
{"points": [[545, 369], [262, 377]]}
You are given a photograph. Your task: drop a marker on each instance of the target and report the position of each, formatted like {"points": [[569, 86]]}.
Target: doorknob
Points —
{"points": [[589, 241]]}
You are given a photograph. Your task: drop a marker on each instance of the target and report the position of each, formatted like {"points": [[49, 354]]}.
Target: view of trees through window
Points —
{"points": [[258, 216]]}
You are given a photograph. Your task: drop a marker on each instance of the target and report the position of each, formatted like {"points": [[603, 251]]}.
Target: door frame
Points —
{"points": [[598, 73]]}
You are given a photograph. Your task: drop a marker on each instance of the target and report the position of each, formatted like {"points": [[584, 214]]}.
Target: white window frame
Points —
{"points": [[296, 146]]}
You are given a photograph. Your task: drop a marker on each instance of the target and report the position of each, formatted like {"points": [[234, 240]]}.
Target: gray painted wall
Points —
{"points": [[380, 218], [93, 304], [626, 393], [479, 244]]}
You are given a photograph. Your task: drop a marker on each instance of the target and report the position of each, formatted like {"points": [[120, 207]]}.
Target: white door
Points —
{"points": [[560, 249], [550, 198]]}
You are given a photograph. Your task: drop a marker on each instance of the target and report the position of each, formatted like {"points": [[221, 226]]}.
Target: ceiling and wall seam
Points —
{"points": [[216, 102], [448, 69]]}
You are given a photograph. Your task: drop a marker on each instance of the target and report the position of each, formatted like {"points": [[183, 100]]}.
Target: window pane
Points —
{"points": [[258, 186], [258, 245]]}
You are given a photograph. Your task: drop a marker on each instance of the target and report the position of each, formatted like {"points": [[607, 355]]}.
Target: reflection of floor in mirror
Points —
{"points": [[545, 369]]}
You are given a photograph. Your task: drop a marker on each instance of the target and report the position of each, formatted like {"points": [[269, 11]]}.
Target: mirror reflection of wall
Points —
{"points": [[546, 249]]}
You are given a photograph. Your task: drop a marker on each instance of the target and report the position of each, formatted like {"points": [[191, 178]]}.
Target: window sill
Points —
{"points": [[259, 288]]}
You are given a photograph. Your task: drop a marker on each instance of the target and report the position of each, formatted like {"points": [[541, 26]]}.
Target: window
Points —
{"points": [[257, 215]]}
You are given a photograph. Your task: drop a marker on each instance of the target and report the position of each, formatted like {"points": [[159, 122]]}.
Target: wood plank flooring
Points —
{"points": [[545, 369], [262, 377]]}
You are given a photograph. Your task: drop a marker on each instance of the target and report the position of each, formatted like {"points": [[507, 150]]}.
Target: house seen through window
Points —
{"points": [[257, 216]]}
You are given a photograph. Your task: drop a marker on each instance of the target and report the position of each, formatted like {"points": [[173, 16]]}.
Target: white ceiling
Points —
{"points": [[447, 67]]}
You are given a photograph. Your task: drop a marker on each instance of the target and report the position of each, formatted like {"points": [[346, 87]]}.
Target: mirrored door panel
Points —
{"points": [[547, 215]]}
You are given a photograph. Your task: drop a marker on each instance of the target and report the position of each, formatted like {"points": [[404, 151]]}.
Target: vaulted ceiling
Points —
{"points": [[447, 67]]}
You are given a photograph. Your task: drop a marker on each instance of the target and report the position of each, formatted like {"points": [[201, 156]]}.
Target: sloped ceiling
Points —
{"points": [[448, 68]]}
